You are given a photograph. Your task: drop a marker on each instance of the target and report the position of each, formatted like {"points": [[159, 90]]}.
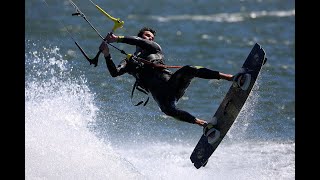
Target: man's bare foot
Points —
{"points": [[201, 122], [228, 77]]}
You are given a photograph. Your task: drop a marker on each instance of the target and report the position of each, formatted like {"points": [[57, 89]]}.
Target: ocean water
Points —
{"points": [[80, 123]]}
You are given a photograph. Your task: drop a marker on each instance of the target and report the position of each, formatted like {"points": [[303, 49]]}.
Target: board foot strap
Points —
{"points": [[211, 132], [242, 80]]}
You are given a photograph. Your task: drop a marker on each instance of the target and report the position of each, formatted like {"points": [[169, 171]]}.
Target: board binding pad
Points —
{"points": [[229, 108], [242, 79]]}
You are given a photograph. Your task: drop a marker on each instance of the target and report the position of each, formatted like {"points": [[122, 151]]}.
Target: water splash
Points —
{"points": [[58, 111], [59, 143]]}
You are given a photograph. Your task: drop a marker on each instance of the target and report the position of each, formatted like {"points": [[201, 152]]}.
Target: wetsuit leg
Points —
{"points": [[181, 79], [169, 94], [167, 106]]}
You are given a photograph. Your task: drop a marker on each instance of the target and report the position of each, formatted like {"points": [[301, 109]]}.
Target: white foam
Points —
{"points": [[58, 141]]}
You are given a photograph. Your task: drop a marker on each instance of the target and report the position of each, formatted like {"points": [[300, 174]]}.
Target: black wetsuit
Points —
{"points": [[166, 87]]}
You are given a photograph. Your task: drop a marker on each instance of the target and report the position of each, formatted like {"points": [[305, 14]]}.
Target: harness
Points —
{"points": [[137, 85], [156, 64]]}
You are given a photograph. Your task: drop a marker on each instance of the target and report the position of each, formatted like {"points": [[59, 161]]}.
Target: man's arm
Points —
{"points": [[150, 46], [113, 70]]}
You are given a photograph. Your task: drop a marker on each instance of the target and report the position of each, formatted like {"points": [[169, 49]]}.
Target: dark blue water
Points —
{"points": [[81, 123]]}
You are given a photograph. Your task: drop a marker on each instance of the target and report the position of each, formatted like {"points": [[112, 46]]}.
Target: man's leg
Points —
{"points": [[167, 106], [181, 79], [179, 82]]}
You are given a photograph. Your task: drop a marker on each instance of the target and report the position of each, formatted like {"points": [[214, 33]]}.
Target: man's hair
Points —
{"points": [[141, 31]]}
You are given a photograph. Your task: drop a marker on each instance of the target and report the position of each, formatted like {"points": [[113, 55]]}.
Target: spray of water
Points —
{"points": [[59, 143], [58, 111]]}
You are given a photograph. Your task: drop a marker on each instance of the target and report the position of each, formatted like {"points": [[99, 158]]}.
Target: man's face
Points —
{"points": [[148, 35]]}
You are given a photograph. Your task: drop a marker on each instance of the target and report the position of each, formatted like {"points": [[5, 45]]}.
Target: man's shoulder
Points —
{"points": [[159, 47]]}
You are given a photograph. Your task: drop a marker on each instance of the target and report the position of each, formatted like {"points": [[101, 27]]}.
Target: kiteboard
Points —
{"points": [[229, 108]]}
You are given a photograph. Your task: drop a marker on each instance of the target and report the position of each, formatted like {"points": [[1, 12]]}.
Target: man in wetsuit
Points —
{"points": [[165, 87]]}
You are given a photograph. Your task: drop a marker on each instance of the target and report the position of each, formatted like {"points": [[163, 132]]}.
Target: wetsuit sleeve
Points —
{"points": [[150, 46], [113, 70]]}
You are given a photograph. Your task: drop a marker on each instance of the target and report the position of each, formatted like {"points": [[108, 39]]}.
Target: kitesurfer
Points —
{"points": [[165, 86]]}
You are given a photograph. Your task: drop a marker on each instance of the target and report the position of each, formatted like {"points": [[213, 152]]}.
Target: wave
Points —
{"points": [[59, 109], [220, 17]]}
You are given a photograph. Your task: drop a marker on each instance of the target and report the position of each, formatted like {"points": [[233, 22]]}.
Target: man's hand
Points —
{"points": [[104, 49], [110, 38]]}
